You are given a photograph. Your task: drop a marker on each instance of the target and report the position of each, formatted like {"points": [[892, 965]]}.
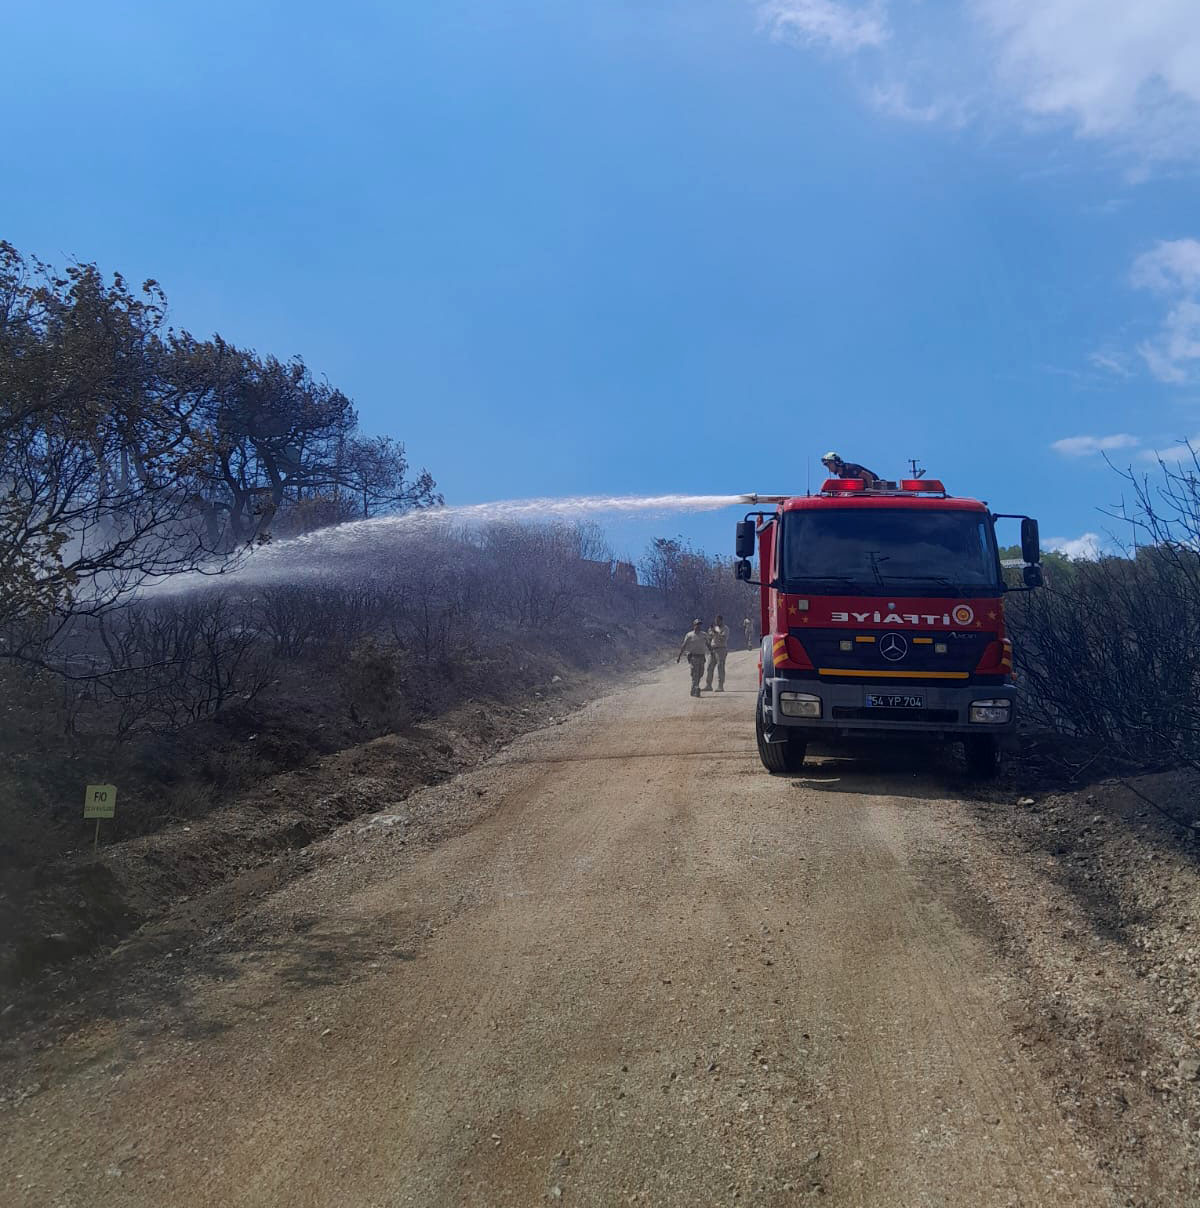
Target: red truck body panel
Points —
{"points": [[846, 654], [785, 617]]}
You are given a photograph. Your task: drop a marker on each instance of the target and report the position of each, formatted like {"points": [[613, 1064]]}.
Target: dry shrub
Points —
{"points": [[1108, 650]]}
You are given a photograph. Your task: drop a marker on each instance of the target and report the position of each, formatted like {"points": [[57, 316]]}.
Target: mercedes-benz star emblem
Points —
{"points": [[893, 647]]}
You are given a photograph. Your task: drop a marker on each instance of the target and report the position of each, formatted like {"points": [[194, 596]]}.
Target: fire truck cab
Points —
{"points": [[882, 610]]}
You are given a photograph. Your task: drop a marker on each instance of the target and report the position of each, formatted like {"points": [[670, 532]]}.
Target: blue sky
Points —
{"points": [[652, 246]]}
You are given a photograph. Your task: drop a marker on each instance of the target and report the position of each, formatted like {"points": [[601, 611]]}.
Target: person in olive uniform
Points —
{"points": [[718, 648], [695, 646]]}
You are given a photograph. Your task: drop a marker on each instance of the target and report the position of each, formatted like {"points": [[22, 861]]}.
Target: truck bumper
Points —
{"points": [[944, 710]]}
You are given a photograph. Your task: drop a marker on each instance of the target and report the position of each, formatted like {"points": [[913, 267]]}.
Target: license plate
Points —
{"points": [[876, 700]]}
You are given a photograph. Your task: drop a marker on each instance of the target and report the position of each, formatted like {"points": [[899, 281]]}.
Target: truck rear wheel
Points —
{"points": [[983, 756], [778, 757]]}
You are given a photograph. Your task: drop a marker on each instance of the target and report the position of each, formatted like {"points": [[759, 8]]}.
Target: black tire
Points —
{"points": [[982, 752], [778, 757]]}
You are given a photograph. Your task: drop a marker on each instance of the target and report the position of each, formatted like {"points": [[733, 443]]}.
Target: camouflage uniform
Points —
{"points": [[718, 648], [695, 646], [851, 469]]}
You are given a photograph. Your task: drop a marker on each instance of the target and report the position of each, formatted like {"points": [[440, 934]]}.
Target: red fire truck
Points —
{"points": [[882, 613]]}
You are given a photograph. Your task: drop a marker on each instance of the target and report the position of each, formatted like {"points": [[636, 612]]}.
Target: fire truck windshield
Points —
{"points": [[922, 550]]}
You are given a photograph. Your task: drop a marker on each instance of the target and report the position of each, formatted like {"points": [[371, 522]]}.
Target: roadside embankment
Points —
{"points": [[215, 814]]}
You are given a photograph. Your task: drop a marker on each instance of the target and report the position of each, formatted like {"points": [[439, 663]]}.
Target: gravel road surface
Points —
{"points": [[617, 963]]}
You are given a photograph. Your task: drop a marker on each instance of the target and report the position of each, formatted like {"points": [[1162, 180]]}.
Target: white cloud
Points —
{"points": [[1170, 354], [1109, 362], [1112, 67], [1171, 269], [1084, 446], [1175, 452], [1172, 265], [839, 26], [896, 100], [1087, 546], [1126, 71]]}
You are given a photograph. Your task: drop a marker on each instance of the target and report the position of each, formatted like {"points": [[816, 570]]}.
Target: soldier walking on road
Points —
{"points": [[695, 646], [746, 627], [718, 648]]}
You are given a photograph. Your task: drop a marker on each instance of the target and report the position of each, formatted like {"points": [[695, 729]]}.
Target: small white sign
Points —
{"points": [[100, 801]]}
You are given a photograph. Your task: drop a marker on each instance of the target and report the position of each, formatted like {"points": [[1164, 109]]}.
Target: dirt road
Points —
{"points": [[618, 963]]}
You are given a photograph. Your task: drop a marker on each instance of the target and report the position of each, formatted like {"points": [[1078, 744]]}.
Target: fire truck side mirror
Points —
{"points": [[1031, 545], [743, 570], [1032, 575], [744, 547]]}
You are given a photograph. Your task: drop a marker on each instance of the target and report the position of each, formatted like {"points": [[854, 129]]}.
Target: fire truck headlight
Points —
{"points": [[799, 704], [991, 712]]}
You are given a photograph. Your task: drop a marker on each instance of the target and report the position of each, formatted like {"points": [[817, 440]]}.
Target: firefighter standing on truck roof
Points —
{"points": [[718, 648], [848, 469], [695, 646]]}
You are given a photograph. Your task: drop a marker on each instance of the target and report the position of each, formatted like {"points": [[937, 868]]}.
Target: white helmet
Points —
{"points": [[830, 456]]}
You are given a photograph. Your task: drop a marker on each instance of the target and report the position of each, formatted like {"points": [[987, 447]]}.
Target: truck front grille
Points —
{"points": [[932, 716]]}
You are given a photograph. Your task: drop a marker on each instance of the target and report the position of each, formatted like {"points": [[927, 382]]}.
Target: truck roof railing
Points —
{"points": [[906, 486]]}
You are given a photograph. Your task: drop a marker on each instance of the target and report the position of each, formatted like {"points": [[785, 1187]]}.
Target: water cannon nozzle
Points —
{"points": [[756, 498]]}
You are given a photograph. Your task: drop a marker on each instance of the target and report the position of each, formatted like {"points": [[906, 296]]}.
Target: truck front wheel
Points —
{"points": [[983, 756], [778, 757]]}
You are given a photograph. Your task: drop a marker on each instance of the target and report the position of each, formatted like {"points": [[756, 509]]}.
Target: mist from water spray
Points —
{"points": [[328, 552]]}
